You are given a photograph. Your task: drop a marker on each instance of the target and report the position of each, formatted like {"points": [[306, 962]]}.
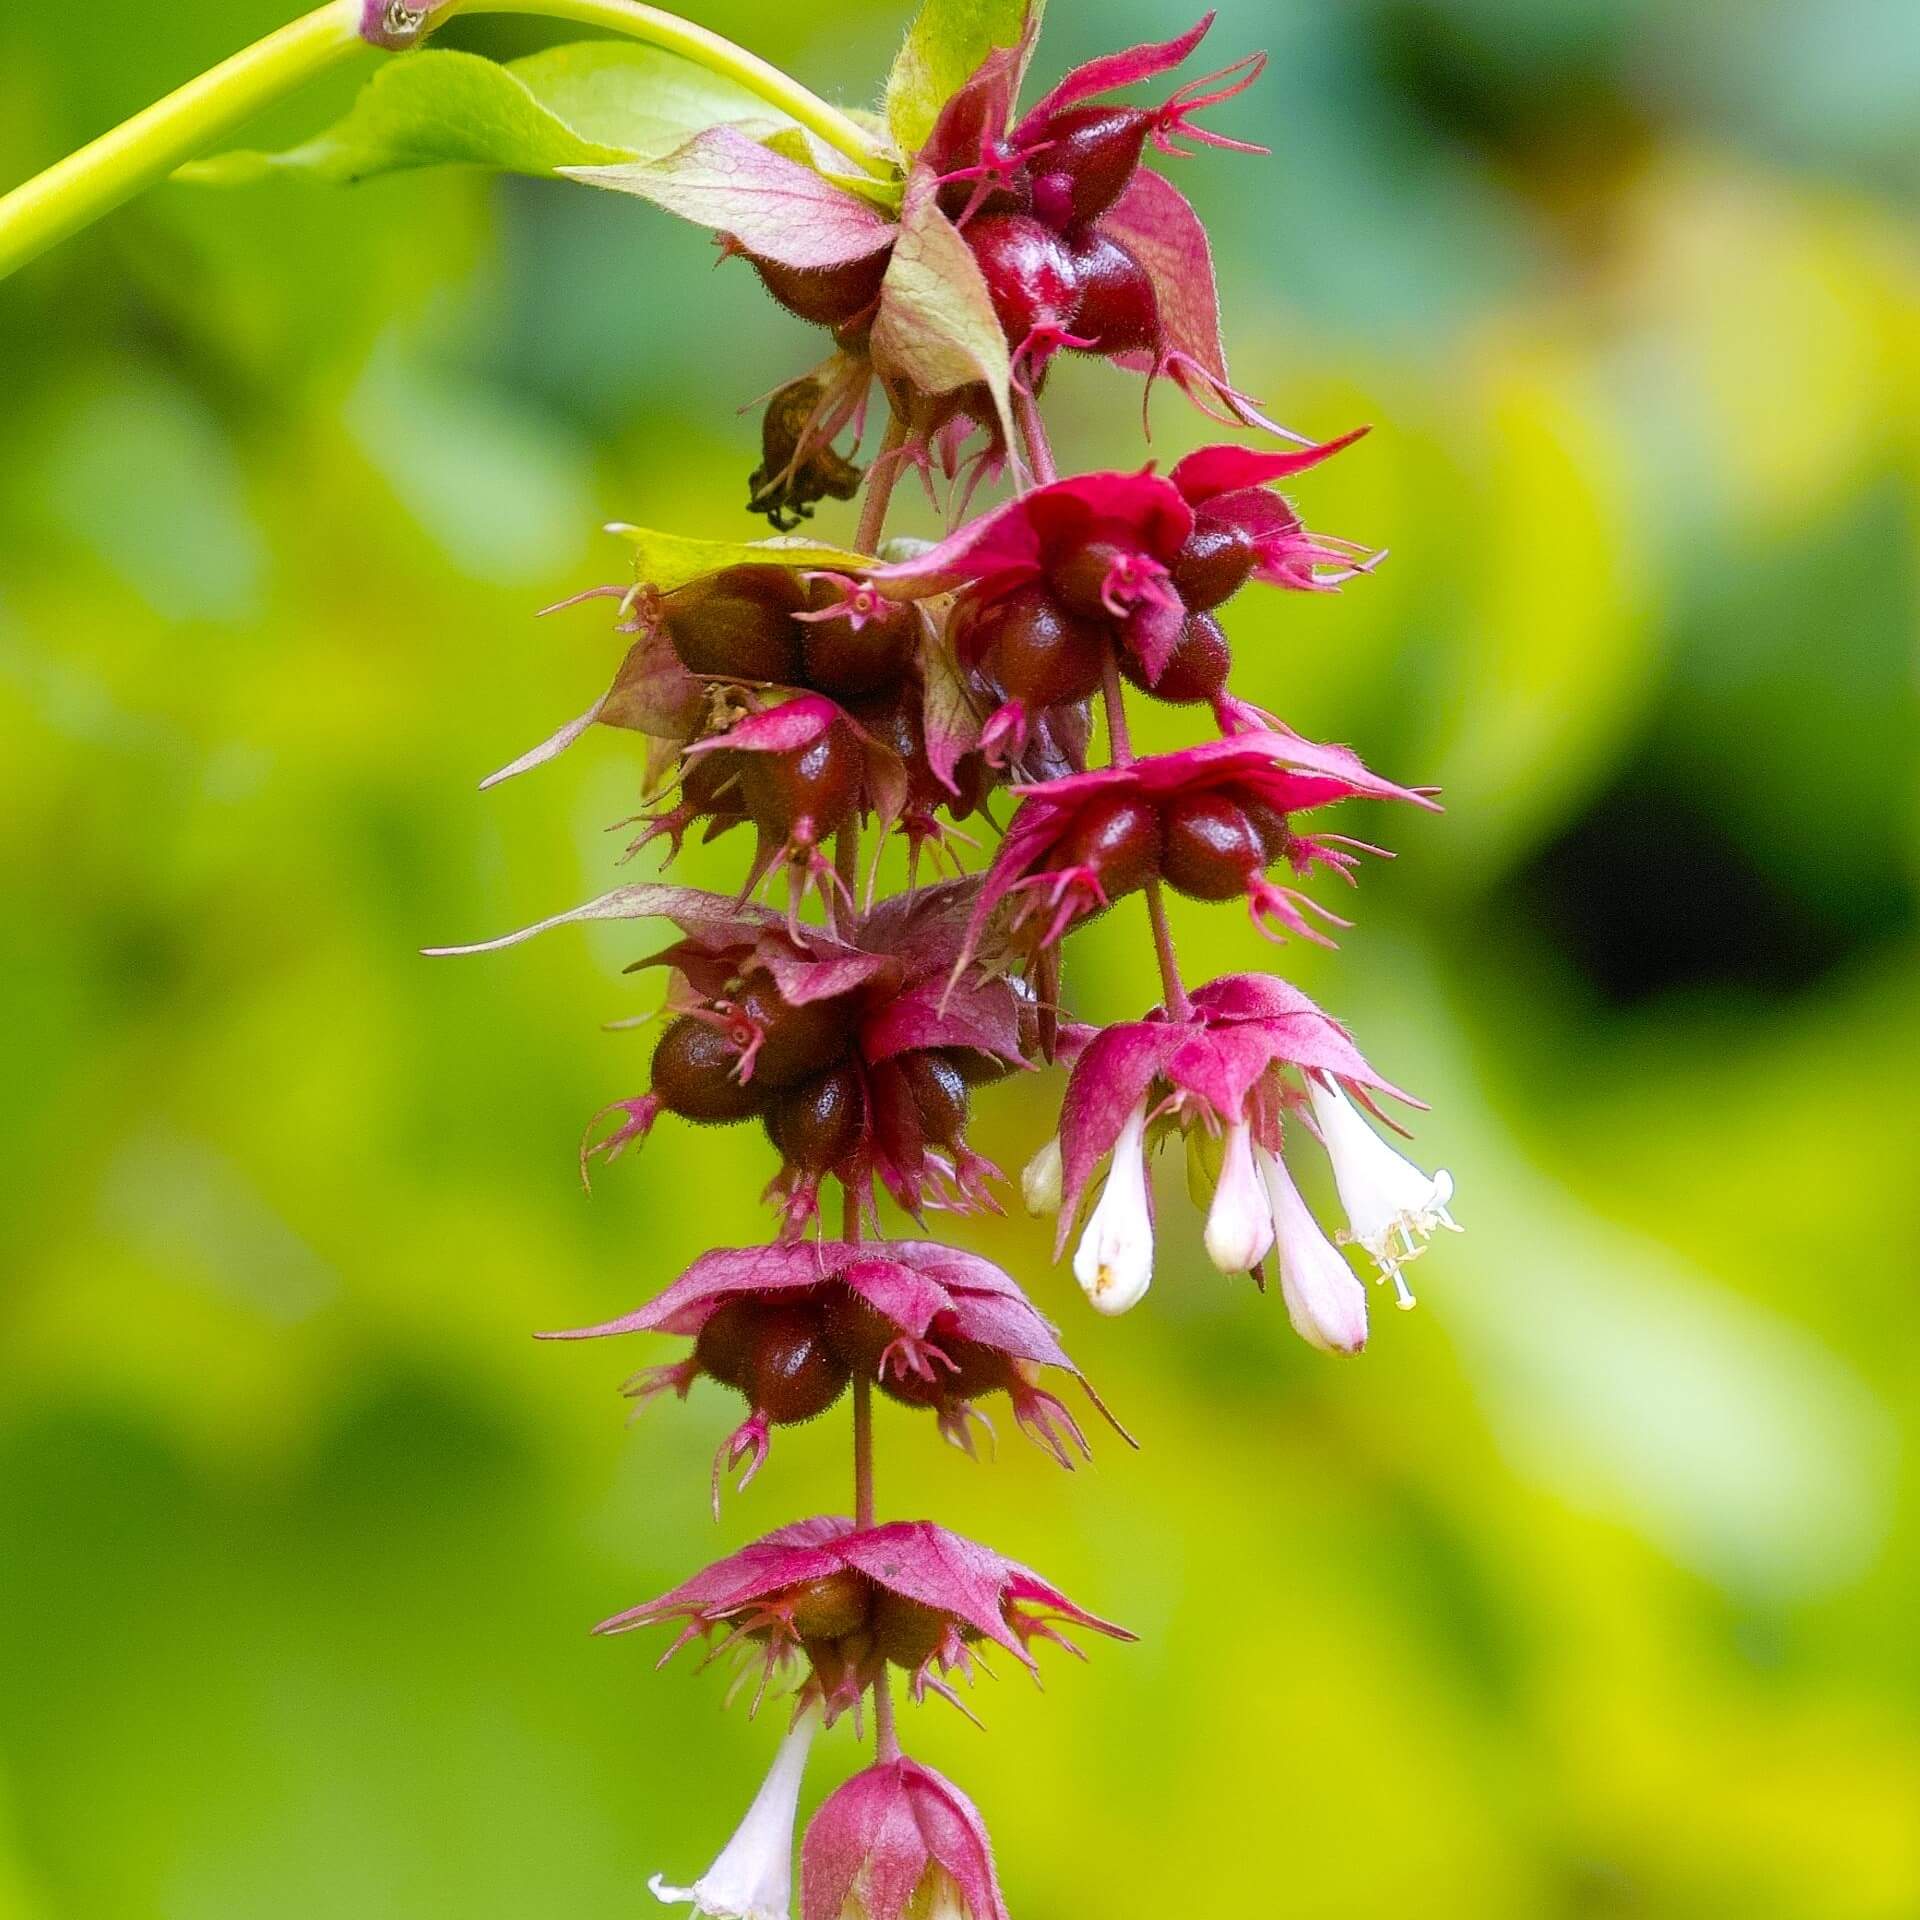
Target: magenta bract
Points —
{"points": [[895, 1835], [1240, 1028], [849, 1601]]}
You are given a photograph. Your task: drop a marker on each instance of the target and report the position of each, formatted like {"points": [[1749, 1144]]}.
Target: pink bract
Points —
{"points": [[877, 1842]]}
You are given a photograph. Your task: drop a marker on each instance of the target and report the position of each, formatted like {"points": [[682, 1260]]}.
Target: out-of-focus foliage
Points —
{"points": [[1589, 1592]]}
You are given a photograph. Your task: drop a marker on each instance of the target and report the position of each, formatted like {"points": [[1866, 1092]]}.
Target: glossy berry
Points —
{"points": [[1029, 276], [848, 662], [795, 1042], [939, 1091], [818, 1123], [694, 1074], [1119, 311], [826, 296], [1091, 154], [1037, 652], [738, 624], [1119, 840], [1196, 669], [1214, 565], [724, 1347], [1212, 848], [857, 1330], [817, 783], [793, 1375], [1082, 575]]}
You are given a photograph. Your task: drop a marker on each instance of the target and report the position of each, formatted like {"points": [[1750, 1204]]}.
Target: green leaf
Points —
{"points": [[669, 560], [947, 41], [600, 103], [936, 328]]}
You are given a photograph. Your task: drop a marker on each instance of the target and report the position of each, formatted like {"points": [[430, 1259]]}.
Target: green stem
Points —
{"points": [[111, 170], [88, 184], [718, 55]]}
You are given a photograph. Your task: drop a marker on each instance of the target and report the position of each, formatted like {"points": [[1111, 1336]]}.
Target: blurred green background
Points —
{"points": [[1589, 1592]]}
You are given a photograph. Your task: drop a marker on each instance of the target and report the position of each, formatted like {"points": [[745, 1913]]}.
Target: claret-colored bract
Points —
{"points": [[965, 698]]}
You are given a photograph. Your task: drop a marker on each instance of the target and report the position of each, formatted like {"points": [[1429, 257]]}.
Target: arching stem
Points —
{"points": [[109, 171]]}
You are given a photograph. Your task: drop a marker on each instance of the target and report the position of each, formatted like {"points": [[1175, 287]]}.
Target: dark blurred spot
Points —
{"points": [[1648, 894]]}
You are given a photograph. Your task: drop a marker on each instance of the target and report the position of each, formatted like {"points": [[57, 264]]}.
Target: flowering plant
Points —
{"points": [[952, 248]]}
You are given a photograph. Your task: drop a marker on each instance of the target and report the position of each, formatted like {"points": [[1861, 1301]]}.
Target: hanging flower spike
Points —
{"points": [[850, 1602], [1392, 1208], [753, 1877], [788, 1325], [894, 1841]]}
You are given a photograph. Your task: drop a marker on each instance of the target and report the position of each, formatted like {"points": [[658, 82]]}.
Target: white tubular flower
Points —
{"points": [[1240, 1221], [1391, 1206], [1114, 1261], [753, 1877], [1040, 1183], [1325, 1300]]}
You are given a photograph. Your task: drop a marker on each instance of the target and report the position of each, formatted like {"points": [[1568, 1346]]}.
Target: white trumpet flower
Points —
{"points": [[1114, 1261], [1240, 1221], [1325, 1300]]}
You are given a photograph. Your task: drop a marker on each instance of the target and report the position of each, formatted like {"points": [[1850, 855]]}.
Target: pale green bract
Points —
{"points": [[669, 560], [945, 45], [598, 103]]}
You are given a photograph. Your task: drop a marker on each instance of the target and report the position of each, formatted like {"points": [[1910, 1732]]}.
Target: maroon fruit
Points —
{"points": [[1118, 311], [694, 1074], [818, 1123], [793, 1374], [1029, 276], [858, 1331], [939, 1092], [1211, 848], [1119, 840], [1091, 154], [795, 1042], [849, 662], [1214, 565], [827, 296], [724, 1347], [738, 623], [1196, 669], [1036, 652], [817, 783]]}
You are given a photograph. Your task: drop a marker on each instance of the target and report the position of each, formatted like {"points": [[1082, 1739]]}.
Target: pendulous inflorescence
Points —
{"points": [[966, 698]]}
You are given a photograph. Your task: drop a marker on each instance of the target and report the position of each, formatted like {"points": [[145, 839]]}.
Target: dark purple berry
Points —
{"points": [[793, 1374], [693, 1073], [1119, 839], [857, 1330], [817, 783], [827, 296], [939, 1092], [1037, 652], [850, 662], [724, 1346], [1118, 311], [1215, 563], [1029, 275], [1091, 154], [738, 623], [817, 1124], [1196, 669], [1212, 849], [796, 1042]]}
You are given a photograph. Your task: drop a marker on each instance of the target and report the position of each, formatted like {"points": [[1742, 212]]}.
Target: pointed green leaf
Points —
{"points": [[669, 560], [947, 41], [600, 103], [936, 328]]}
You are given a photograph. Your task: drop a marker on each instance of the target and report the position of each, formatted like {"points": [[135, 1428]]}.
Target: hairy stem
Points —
{"points": [[718, 55], [880, 479], [104, 174], [886, 1736], [1120, 749], [1033, 430]]}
